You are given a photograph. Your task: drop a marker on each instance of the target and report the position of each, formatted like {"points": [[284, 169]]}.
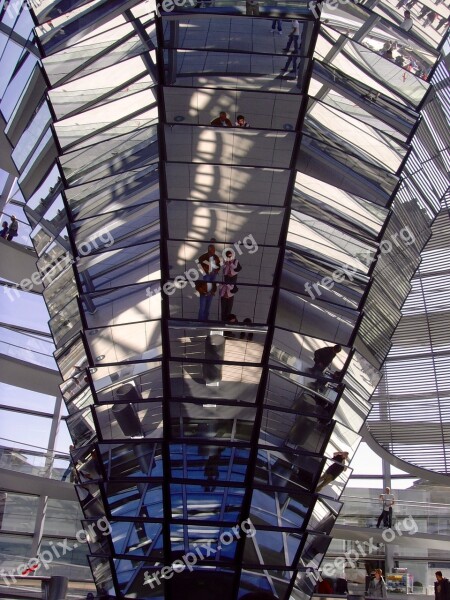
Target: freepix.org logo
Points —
{"points": [[44, 558], [199, 553], [194, 274]]}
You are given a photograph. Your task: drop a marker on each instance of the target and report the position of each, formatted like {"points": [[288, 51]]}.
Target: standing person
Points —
{"points": [[323, 357], [231, 267], [377, 586], [4, 231], [222, 120], [293, 37], [388, 501], [210, 263], [277, 23], [206, 290], [241, 122], [407, 22], [334, 470], [441, 587], [227, 293], [13, 228], [252, 8]]}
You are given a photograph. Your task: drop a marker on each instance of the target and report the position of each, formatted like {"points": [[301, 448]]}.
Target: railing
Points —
{"points": [[42, 464], [430, 517], [28, 355]]}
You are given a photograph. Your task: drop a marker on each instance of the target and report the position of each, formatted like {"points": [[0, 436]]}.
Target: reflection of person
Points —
{"points": [[222, 121], [249, 336], [241, 122], [252, 8], [441, 587], [323, 357], [407, 22], [210, 263], [334, 470], [377, 586], [211, 471], [13, 229], [324, 587], [206, 290], [277, 24], [341, 586], [4, 231], [227, 293], [231, 268], [388, 502], [293, 37]]}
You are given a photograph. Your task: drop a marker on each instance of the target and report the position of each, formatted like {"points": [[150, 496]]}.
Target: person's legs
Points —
{"points": [[390, 517], [380, 518], [295, 37], [294, 63], [208, 301], [202, 309], [288, 45], [324, 480], [225, 308]]}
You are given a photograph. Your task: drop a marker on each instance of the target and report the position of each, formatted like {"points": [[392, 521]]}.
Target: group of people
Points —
{"points": [[207, 287], [223, 121], [426, 13], [377, 586], [11, 230]]}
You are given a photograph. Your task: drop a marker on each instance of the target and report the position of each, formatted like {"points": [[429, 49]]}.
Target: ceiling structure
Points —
{"points": [[192, 433]]}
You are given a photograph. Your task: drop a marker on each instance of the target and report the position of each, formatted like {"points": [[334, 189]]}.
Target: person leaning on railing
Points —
{"points": [[377, 586]]}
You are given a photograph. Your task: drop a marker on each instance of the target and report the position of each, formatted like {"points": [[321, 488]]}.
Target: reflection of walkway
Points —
{"points": [[407, 539]]}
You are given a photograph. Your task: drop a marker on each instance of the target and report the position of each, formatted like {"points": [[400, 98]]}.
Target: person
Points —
{"points": [[249, 336], [334, 470], [444, 21], [4, 231], [292, 59], [386, 51], [210, 263], [206, 291], [277, 23], [70, 471], [252, 8], [241, 122], [222, 120], [424, 12], [407, 22], [341, 586], [211, 471], [377, 586], [387, 499], [13, 229], [231, 320], [441, 587], [324, 587], [231, 268], [323, 357], [293, 37], [227, 293]]}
